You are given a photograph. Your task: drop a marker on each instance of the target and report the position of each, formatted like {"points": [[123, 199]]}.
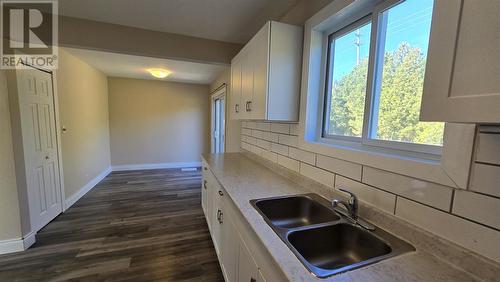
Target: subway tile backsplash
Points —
{"points": [[470, 218]]}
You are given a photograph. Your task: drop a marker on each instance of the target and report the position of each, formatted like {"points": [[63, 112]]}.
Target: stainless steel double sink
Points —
{"points": [[324, 240]]}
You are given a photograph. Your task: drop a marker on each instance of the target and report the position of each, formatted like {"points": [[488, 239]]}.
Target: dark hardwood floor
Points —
{"points": [[133, 226]]}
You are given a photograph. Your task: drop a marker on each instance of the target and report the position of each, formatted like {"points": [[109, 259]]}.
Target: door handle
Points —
{"points": [[205, 184]]}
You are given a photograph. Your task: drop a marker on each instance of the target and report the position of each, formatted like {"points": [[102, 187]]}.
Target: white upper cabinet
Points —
{"points": [[266, 75], [462, 79]]}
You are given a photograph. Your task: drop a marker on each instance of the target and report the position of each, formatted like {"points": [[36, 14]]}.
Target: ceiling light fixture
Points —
{"points": [[159, 73]]}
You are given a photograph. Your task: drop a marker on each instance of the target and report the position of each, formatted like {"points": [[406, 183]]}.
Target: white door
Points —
{"points": [[36, 102]]}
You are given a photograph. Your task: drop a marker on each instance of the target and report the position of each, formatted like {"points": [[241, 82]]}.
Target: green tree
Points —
{"points": [[399, 100]]}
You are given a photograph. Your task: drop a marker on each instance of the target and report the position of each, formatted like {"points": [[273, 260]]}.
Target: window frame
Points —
{"points": [[375, 67], [328, 78]]}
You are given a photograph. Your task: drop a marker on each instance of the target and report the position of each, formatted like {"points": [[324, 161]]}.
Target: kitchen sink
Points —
{"points": [[323, 239], [295, 211]]}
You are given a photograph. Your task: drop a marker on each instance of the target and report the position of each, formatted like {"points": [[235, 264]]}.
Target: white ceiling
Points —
{"points": [[224, 20], [119, 65]]}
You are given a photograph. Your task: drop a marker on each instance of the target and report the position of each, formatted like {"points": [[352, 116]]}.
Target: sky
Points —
{"points": [[408, 22]]}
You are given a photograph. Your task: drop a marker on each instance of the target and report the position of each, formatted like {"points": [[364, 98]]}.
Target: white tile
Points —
{"points": [[257, 133], [435, 195], [477, 207], [486, 179], [488, 148], [244, 124], [266, 145], [273, 137], [341, 167], [245, 146], [246, 131], [280, 128], [317, 174], [264, 126], [303, 156], [280, 149], [256, 150], [243, 138], [373, 196], [251, 124], [294, 129], [270, 156], [480, 239], [252, 140], [288, 163], [289, 140]]}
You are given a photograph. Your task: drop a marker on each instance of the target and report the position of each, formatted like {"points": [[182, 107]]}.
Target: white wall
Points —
{"points": [[10, 221], [157, 122], [83, 106]]}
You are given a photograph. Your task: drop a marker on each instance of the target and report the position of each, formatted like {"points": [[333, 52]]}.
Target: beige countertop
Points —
{"points": [[245, 179]]}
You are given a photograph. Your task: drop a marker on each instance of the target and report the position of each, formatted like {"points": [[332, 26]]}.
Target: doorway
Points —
{"points": [[218, 120]]}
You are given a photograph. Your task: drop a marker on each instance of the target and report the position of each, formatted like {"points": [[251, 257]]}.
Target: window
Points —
{"points": [[375, 73]]}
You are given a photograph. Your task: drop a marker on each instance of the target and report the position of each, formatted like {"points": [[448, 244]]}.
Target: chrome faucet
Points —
{"points": [[351, 205], [351, 210]]}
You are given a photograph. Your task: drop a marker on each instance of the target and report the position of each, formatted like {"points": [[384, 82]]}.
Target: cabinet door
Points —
{"points": [[235, 95], [229, 247], [260, 60], [247, 268], [261, 277], [247, 81], [463, 66], [216, 217]]}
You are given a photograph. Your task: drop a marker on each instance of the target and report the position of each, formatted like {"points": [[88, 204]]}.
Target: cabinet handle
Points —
{"points": [[249, 106], [221, 221], [252, 279], [220, 193], [205, 184], [219, 216], [237, 108], [205, 168]]}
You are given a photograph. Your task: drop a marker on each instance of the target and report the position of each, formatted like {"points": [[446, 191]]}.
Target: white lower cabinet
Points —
{"points": [[241, 258], [248, 270]]}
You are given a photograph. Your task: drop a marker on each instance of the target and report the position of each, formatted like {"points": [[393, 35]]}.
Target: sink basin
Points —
{"points": [[326, 242], [336, 246], [295, 211]]}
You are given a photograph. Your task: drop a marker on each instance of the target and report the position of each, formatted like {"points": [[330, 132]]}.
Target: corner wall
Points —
{"points": [[10, 219], [83, 108]]}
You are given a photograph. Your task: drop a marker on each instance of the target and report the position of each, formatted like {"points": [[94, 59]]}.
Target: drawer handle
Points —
{"points": [[220, 193], [219, 216], [205, 184]]}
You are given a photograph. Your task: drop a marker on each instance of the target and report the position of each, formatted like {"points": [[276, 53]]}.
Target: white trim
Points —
{"points": [[29, 240], [86, 188], [155, 166], [17, 245], [11, 246]]}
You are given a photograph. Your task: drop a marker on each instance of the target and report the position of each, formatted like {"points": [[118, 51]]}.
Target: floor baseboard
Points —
{"points": [[86, 188], [155, 166], [11, 246]]}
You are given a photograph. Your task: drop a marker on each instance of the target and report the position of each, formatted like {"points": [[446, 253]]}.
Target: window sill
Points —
{"points": [[387, 152], [405, 163]]}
